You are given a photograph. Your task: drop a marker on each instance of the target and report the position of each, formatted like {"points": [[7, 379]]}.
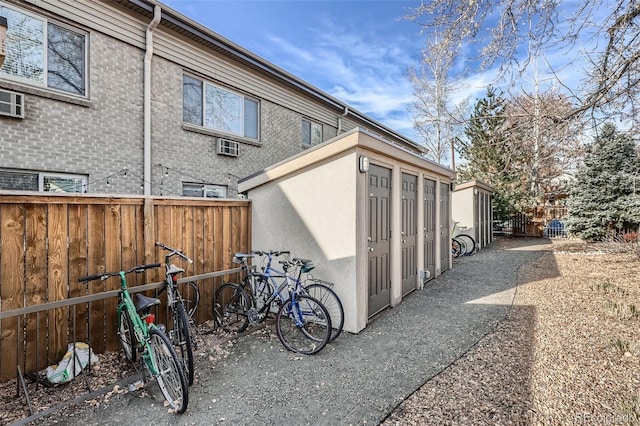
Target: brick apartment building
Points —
{"points": [[132, 97]]}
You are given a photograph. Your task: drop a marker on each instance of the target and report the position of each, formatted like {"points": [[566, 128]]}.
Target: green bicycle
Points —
{"points": [[138, 331]]}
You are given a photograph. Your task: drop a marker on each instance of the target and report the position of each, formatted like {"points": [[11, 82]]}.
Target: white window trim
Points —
{"points": [[206, 83], [45, 60], [206, 187], [42, 175], [311, 124]]}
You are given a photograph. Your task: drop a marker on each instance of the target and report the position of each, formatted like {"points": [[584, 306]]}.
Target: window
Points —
{"points": [[311, 133], [62, 183], [203, 190], [44, 53], [17, 180], [214, 107]]}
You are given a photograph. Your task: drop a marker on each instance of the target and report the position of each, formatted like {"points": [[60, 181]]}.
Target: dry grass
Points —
{"points": [[567, 353]]}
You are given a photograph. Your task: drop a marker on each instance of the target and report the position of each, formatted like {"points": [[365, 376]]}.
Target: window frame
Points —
{"points": [[44, 82], [204, 187], [312, 123], [41, 176], [241, 116]]}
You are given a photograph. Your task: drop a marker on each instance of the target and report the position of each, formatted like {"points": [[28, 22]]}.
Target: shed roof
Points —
{"points": [[474, 184], [355, 138]]}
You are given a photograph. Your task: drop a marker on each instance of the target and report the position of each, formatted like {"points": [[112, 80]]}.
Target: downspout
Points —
{"points": [[157, 13], [344, 114]]}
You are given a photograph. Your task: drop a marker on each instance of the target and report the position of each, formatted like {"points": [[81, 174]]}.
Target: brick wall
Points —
{"points": [[104, 135], [64, 137]]}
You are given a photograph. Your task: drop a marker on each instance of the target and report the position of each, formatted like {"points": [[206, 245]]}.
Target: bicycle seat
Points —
{"points": [[305, 264], [143, 302], [243, 256], [173, 269]]}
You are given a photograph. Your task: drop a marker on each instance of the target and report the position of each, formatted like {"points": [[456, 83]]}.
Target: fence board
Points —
{"points": [[48, 241], [78, 266], [113, 262], [207, 260], [57, 232], [36, 285], [12, 296], [95, 265]]}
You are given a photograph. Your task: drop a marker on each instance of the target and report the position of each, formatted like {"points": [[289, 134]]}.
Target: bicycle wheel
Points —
{"points": [[259, 289], [469, 243], [190, 297], [332, 302], [456, 247], [127, 338], [303, 325], [231, 305], [170, 375], [181, 339]]}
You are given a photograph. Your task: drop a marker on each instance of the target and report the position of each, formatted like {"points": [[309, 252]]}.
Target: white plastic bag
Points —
{"points": [[64, 371]]}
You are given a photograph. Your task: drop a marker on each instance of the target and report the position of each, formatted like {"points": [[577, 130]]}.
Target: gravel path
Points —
{"points": [[358, 378]]}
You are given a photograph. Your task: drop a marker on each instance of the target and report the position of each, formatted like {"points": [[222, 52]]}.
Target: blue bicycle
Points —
{"points": [[303, 324]]}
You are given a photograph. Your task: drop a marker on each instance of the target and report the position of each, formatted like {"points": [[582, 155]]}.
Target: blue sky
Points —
{"points": [[358, 51]]}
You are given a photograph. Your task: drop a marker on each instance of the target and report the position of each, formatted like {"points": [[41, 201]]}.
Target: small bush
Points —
{"points": [[628, 242], [621, 346], [623, 311]]}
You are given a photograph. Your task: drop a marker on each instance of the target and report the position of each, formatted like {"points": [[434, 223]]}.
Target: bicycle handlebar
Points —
{"points": [[103, 276], [270, 252], [173, 252]]}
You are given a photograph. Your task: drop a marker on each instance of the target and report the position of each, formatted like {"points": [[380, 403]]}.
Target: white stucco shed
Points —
{"points": [[473, 210], [372, 216]]}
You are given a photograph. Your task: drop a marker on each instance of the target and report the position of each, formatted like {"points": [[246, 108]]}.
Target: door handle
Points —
{"points": [[370, 249]]}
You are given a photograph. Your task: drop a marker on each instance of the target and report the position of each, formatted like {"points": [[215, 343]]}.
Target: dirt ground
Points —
{"points": [[567, 353]]}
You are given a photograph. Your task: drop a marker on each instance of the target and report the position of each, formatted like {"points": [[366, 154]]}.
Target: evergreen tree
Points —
{"points": [[489, 155], [604, 198]]}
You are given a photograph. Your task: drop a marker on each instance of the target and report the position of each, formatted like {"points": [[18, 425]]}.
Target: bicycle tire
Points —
{"points": [[259, 289], [303, 325], [170, 375], [127, 338], [470, 244], [231, 305], [456, 247], [182, 339], [190, 294], [332, 303]]}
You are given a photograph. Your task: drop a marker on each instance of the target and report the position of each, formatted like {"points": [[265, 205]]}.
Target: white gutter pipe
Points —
{"points": [[157, 14], [344, 114]]}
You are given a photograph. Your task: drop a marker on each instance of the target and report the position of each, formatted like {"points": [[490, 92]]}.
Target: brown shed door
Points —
{"points": [[445, 235], [409, 229], [379, 222], [430, 226]]}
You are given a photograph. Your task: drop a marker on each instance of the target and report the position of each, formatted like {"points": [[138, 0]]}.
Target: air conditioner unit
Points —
{"points": [[228, 147], [11, 104]]}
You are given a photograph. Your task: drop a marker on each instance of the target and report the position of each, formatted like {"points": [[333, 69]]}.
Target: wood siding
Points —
{"points": [[47, 242]]}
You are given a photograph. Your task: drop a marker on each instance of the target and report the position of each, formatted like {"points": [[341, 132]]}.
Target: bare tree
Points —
{"points": [[547, 142], [436, 120], [605, 31]]}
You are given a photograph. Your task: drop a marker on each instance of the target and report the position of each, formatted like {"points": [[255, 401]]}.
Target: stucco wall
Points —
{"points": [[463, 211], [313, 215]]}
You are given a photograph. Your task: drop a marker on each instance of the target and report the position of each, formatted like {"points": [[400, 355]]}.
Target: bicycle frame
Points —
{"points": [[141, 326]]}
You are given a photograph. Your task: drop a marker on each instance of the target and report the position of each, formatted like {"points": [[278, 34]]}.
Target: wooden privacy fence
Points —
{"points": [[48, 241]]}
